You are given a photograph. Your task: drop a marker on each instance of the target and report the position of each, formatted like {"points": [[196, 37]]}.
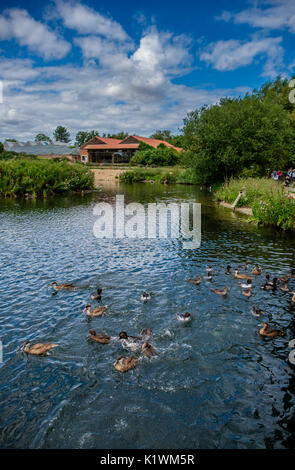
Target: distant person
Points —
{"points": [[293, 176], [287, 181], [275, 175]]}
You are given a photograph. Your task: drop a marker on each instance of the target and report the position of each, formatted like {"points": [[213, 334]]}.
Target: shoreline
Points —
{"points": [[245, 210]]}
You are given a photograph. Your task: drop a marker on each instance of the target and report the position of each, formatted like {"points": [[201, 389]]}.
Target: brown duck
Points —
{"points": [[241, 276], [256, 271], [220, 292], [62, 286], [148, 349], [39, 349], [123, 364], [99, 338], [265, 331], [95, 312], [195, 281], [247, 292]]}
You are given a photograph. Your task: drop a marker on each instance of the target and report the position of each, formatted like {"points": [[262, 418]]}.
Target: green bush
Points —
{"points": [[161, 156], [19, 177]]}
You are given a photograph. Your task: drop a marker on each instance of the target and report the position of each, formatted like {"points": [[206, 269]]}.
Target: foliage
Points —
{"points": [[42, 138], [267, 198], [19, 177], [120, 135], [61, 134], [257, 132], [166, 135], [83, 136], [161, 156]]}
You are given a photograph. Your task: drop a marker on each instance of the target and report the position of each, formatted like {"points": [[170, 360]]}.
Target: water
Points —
{"points": [[215, 382]]}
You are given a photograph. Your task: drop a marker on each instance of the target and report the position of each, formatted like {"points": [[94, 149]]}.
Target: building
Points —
{"points": [[102, 150], [43, 149]]}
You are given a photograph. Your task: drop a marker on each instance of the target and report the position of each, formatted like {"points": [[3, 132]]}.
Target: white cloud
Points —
{"points": [[275, 14], [87, 21], [232, 54], [88, 97], [19, 25]]}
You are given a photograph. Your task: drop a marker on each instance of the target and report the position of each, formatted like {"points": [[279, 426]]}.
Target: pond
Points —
{"points": [[215, 383]]}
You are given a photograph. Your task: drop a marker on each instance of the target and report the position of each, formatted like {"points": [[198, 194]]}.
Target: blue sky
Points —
{"points": [[134, 66]]}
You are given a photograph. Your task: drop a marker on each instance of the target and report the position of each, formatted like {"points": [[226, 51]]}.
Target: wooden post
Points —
{"points": [[241, 193]]}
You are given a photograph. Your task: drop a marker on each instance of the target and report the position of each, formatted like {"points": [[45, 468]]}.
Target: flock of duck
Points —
{"points": [[142, 341]]}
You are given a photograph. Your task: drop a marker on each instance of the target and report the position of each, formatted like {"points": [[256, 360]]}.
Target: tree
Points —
{"points": [[83, 136], [42, 138], [253, 134], [120, 135], [1, 147], [164, 134], [61, 134]]}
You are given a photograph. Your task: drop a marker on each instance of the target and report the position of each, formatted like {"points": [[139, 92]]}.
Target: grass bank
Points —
{"points": [[25, 177], [268, 200], [159, 175]]}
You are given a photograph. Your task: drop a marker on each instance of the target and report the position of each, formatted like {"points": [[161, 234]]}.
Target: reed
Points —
{"points": [[37, 178]]}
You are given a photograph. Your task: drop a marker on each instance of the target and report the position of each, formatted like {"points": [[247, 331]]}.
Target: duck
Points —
{"points": [[145, 296], [285, 287], [123, 364], [228, 270], [186, 317], [99, 338], [131, 342], [265, 331], [248, 284], [293, 297], [62, 286], [247, 292], [220, 292], [145, 334], [210, 268], [271, 286], [257, 270], [148, 349], [256, 311], [39, 349], [95, 312], [208, 277], [267, 280], [245, 266], [196, 280], [284, 279], [241, 276], [96, 296]]}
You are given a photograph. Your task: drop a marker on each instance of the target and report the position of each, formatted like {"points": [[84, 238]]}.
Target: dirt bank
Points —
{"points": [[242, 210], [103, 174]]}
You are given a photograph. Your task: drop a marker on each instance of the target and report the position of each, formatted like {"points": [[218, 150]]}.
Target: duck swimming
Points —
{"points": [[145, 296], [271, 286], [208, 277], [248, 284], [241, 276], [95, 312], [256, 311], [220, 292], [145, 334], [284, 279], [131, 342], [186, 317], [148, 349], [96, 296], [265, 331], [247, 292], [228, 270], [123, 364], [195, 281], [102, 339], [62, 286], [257, 270], [39, 349], [210, 268], [285, 287]]}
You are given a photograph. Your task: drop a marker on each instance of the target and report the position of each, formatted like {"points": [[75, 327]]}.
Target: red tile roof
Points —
{"points": [[154, 142], [111, 146]]}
